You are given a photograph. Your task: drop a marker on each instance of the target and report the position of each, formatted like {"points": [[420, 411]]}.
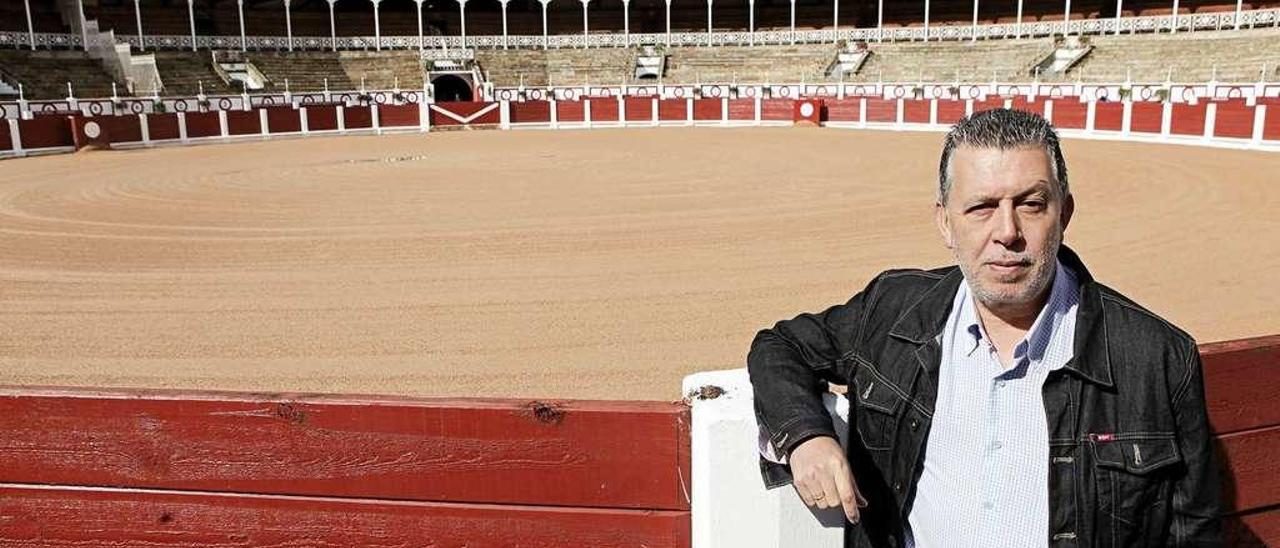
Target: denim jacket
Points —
{"points": [[1131, 462]]}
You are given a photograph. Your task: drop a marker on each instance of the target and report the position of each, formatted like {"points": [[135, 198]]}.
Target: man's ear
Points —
{"points": [[1068, 208], [944, 224]]}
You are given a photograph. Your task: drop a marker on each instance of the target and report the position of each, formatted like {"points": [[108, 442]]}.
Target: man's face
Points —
{"points": [[1003, 219]]}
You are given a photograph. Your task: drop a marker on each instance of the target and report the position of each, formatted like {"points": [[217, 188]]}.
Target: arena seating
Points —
{"points": [[1005, 60], [557, 67], [305, 70], [749, 64], [44, 73], [1191, 57], [183, 72]]}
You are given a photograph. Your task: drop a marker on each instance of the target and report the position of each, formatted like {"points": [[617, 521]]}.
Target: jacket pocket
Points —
{"points": [[876, 410], [1134, 479]]}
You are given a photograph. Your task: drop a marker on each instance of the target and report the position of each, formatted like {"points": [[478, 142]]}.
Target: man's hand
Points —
{"points": [[822, 476]]}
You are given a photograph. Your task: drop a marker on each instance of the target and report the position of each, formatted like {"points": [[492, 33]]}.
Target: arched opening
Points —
{"points": [[451, 88]]}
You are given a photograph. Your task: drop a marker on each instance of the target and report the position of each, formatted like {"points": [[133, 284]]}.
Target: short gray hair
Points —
{"points": [[1004, 129]]}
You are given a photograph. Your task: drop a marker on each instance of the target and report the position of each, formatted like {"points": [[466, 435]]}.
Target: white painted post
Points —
{"points": [[709, 43], [585, 32], [751, 22], [622, 111], [793, 21], [342, 118], [1126, 120], [1066, 19], [968, 107], [288, 24], [504, 115], [1173, 20], [304, 121], [1259, 118], [244, 45], [1239, 8], [1210, 120], [1089, 116], [505, 37], [333, 28], [688, 111], [145, 125], [626, 23], [263, 122], [84, 32], [1166, 118], [880, 20], [137, 15], [15, 136], [974, 37], [835, 21], [222, 124], [31, 29], [726, 486], [862, 112], [926, 20], [668, 2], [587, 117], [1048, 108], [376, 114], [1119, 10], [377, 26], [1018, 33], [462, 13], [654, 111], [191, 18], [933, 111], [900, 113], [544, 25], [182, 127], [555, 118]]}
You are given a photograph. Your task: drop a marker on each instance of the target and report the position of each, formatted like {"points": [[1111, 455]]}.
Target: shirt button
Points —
{"points": [[995, 445], [1000, 384]]}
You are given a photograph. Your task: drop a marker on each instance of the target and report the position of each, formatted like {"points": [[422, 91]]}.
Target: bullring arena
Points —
{"points": [[330, 274]]}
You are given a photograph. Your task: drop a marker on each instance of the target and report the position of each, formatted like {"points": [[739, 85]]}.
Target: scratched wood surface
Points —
{"points": [[571, 453], [32, 516]]}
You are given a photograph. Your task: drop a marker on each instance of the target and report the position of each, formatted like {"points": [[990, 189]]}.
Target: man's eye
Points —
{"points": [[1033, 205], [978, 208]]}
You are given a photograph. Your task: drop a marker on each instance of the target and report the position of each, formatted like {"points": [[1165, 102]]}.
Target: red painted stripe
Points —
{"points": [[121, 129], [673, 110], [1242, 379], [203, 124], [321, 118], [60, 516], [950, 111], [915, 111], [843, 110], [45, 131], [242, 122], [639, 109], [1070, 114], [882, 110], [1109, 117], [1254, 530], [1271, 124], [6, 138], [358, 117], [406, 116], [575, 111], [707, 109], [283, 120], [1188, 119], [1146, 117], [1020, 102], [777, 109], [741, 109], [575, 453], [605, 109], [531, 112]]}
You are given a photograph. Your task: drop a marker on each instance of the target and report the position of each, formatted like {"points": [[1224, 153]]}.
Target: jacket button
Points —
{"points": [[897, 486], [915, 424]]}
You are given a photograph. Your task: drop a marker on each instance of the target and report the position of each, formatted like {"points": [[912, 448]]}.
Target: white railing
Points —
{"points": [[1183, 23]]}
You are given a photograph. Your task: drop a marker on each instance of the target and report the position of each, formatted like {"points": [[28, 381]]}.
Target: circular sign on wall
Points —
{"points": [[92, 130], [806, 109]]}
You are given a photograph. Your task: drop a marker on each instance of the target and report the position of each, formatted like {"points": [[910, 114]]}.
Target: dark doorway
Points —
{"points": [[451, 88]]}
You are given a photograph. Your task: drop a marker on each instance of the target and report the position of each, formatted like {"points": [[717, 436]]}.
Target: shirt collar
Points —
{"points": [[1051, 328]]}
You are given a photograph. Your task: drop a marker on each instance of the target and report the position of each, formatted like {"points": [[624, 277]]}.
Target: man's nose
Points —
{"points": [[1007, 231]]}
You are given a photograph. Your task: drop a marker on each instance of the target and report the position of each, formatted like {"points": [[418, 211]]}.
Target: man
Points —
{"points": [[1008, 401]]}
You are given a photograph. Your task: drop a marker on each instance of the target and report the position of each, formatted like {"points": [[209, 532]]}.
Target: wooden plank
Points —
{"points": [[621, 454], [1242, 379], [1254, 530], [1251, 480], [70, 516]]}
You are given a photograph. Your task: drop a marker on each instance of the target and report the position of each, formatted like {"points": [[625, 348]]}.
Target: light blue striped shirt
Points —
{"points": [[986, 466]]}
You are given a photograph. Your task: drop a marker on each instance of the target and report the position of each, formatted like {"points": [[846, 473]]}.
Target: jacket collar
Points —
{"points": [[924, 319]]}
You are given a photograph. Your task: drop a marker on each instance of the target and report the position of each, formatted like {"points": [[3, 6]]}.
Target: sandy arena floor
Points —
{"points": [[603, 264]]}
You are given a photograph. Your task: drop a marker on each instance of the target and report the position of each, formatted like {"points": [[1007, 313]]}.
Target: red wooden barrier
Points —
{"points": [[45, 131], [70, 516], [1271, 124], [707, 109], [1070, 114], [203, 124], [1108, 116], [162, 126], [322, 118], [915, 111], [777, 109], [1021, 102], [950, 111], [604, 109], [843, 110], [740, 109], [639, 109], [1146, 117], [672, 110], [1188, 119], [1233, 119], [6, 138], [523, 112], [358, 117], [283, 120], [122, 129], [573, 111], [406, 115], [882, 110], [244, 122], [992, 101]]}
